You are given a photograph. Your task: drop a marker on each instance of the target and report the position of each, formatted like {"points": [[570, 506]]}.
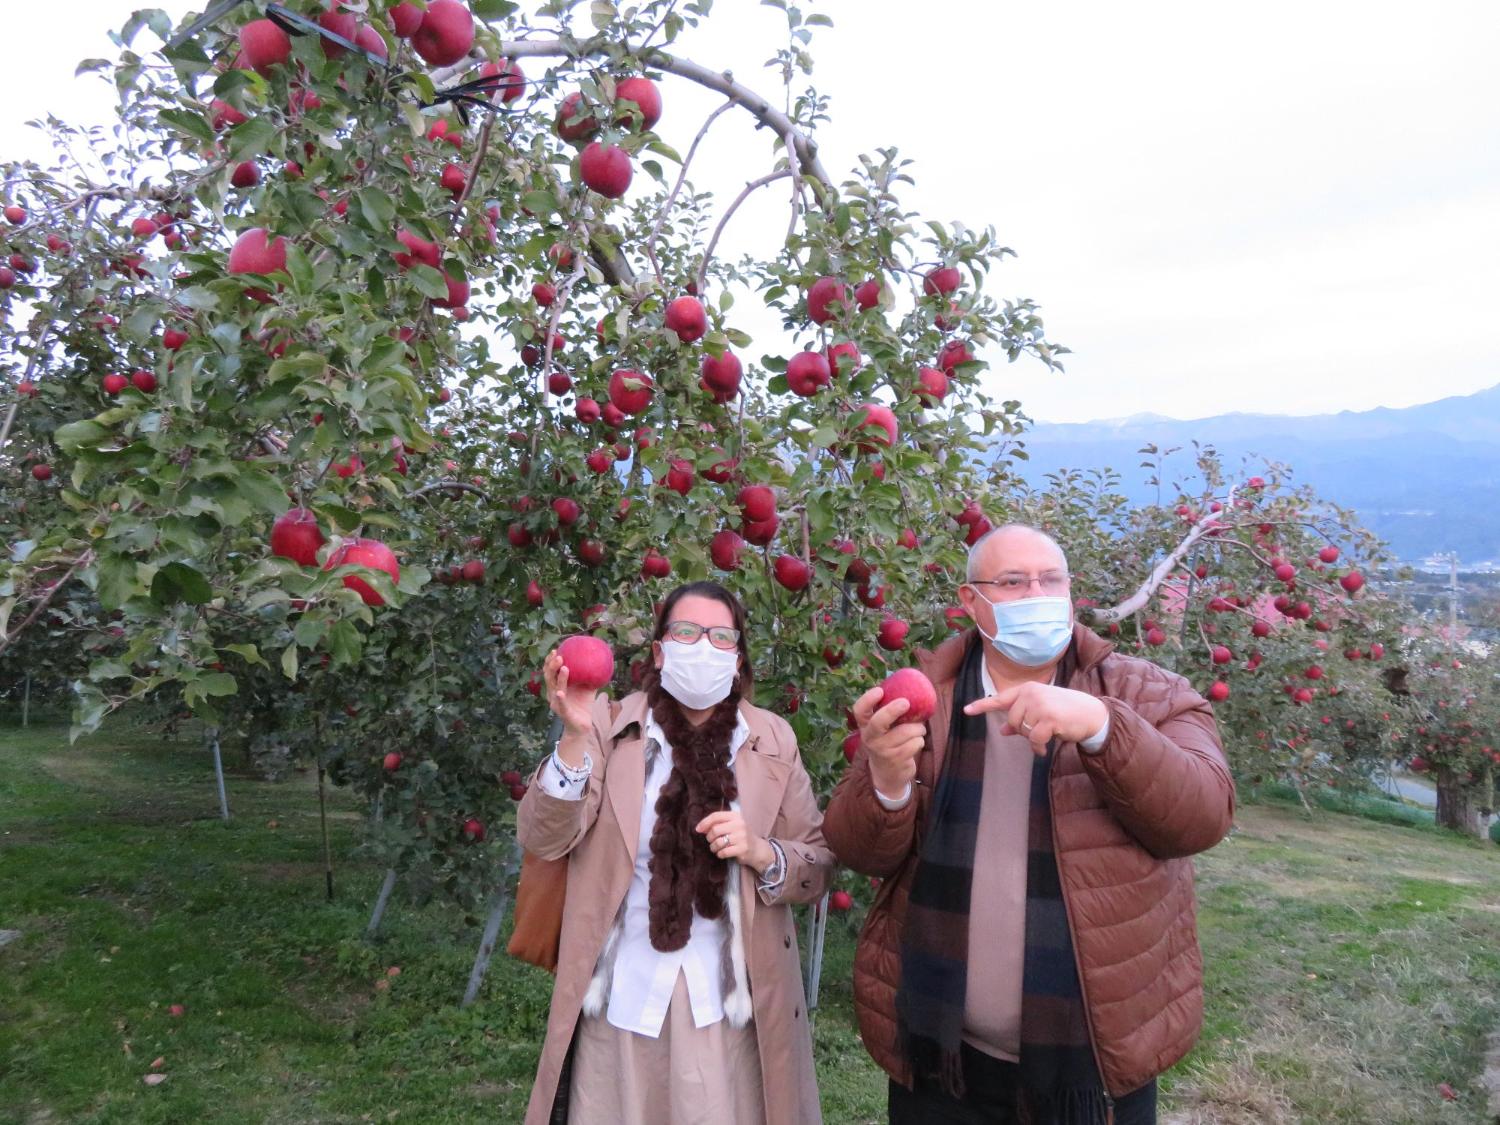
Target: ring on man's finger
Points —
{"points": [[1026, 727]]}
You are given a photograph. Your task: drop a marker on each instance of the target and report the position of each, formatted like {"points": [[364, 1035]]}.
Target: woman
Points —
{"points": [[690, 827]]}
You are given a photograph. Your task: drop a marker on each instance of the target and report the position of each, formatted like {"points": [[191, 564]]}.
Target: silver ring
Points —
{"points": [[723, 840], [1026, 727]]}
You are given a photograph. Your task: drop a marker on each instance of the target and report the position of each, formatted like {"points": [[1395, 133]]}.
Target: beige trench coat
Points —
{"points": [[599, 835]]}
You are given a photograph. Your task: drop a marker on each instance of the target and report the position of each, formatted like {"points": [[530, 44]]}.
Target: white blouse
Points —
{"points": [[644, 977]]}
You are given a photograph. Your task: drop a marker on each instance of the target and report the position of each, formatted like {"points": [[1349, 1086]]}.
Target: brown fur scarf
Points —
{"points": [[685, 873]]}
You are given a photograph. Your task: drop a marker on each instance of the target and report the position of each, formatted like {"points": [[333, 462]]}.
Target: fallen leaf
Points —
{"points": [[393, 971], [176, 1010], [1448, 1092], [158, 1062], [154, 1079]]}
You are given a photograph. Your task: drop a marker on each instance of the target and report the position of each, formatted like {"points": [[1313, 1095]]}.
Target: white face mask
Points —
{"points": [[698, 675]]}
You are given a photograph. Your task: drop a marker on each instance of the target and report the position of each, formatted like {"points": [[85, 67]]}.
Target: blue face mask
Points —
{"points": [[1031, 632]]}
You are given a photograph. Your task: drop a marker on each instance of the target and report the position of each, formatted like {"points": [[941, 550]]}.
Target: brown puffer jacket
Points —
{"points": [[1125, 821]]}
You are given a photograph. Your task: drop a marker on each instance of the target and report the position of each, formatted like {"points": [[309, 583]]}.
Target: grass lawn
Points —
{"points": [[1353, 966]]}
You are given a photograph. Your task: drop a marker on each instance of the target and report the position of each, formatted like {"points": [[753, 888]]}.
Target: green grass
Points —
{"points": [[1352, 966]]}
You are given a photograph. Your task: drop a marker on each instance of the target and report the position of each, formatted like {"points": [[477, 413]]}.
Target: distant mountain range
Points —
{"points": [[1426, 478]]}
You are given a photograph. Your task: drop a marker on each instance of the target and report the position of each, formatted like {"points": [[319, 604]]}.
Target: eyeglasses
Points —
{"points": [[688, 632], [1013, 583]]}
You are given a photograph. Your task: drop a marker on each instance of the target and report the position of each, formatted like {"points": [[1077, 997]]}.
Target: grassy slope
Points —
{"points": [[1352, 966]]}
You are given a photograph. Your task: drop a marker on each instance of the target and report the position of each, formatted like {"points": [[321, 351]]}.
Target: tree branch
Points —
{"points": [[661, 216], [1136, 601], [451, 486], [708, 254], [82, 560]]}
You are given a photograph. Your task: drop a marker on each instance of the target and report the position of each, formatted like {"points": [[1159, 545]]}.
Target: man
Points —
{"points": [[1032, 953]]}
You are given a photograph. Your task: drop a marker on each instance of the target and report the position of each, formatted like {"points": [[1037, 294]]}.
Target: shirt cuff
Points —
{"points": [[1096, 743], [772, 877], [893, 803], [558, 779]]}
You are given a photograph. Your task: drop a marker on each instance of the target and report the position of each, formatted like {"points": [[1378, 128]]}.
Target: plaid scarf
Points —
{"points": [[1059, 1078]]}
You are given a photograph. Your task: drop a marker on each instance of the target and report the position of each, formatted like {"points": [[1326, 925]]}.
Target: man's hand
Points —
{"points": [[891, 745], [1042, 712]]}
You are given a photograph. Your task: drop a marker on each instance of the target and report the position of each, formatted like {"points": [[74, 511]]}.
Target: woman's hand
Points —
{"points": [[730, 838], [574, 706]]}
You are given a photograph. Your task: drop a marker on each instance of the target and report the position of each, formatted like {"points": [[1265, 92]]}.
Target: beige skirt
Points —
{"points": [[687, 1076]]}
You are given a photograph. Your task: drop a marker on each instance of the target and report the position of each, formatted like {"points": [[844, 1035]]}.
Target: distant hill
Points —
{"points": [[1424, 478]]}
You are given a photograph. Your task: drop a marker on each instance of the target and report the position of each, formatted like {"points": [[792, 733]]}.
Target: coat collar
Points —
{"points": [[940, 665], [760, 774]]}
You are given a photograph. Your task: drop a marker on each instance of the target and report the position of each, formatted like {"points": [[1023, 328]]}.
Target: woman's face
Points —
{"points": [[707, 612]]}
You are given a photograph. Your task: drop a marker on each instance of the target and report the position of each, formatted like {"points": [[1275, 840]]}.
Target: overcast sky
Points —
{"points": [[1289, 207]]}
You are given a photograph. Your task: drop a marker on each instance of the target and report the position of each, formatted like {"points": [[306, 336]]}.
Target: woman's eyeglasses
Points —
{"points": [[1053, 582], [688, 632]]}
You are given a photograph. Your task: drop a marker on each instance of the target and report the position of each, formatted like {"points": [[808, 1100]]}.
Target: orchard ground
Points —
{"points": [[1353, 965]]}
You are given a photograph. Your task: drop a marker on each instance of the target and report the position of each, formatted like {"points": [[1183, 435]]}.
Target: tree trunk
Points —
{"points": [[1456, 808]]}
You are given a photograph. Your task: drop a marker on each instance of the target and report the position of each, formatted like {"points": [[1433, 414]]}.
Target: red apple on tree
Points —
{"points": [[263, 45], [807, 373], [41, 472], [391, 762], [473, 828], [591, 552], [144, 381], [255, 251], [721, 375], [644, 99], [630, 391], [367, 553], [655, 565], [840, 902], [932, 385], [844, 358], [605, 169], [757, 502], [725, 548], [445, 34], [791, 572], [825, 299], [454, 178], [876, 425], [941, 281], [114, 383], [685, 316], [575, 121], [867, 293], [891, 635]]}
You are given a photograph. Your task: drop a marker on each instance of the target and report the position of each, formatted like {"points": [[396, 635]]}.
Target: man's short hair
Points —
{"points": [[979, 543]]}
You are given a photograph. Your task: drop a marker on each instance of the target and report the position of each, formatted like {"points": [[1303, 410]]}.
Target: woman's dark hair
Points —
{"points": [[715, 592]]}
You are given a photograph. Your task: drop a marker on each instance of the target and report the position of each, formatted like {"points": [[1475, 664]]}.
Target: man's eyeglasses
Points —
{"points": [[1013, 583], [688, 632]]}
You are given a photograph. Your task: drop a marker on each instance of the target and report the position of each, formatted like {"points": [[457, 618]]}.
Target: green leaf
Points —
{"points": [[289, 662], [261, 490], [180, 582], [429, 282], [74, 436], [377, 208], [301, 272], [251, 138], [192, 124], [346, 643], [539, 203], [493, 9], [250, 653], [603, 14], [216, 684], [117, 580]]}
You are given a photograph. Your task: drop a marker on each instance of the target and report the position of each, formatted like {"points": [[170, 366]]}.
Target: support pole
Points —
{"points": [[213, 736], [26, 702], [486, 945], [327, 849], [817, 929], [381, 899]]}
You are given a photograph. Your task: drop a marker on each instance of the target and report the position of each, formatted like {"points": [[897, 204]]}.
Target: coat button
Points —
{"points": [[787, 941], [796, 1013], [806, 883]]}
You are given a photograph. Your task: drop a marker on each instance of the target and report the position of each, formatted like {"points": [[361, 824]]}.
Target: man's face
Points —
{"points": [[1013, 565]]}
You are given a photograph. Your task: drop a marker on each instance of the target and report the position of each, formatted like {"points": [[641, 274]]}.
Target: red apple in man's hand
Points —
{"points": [[589, 661], [914, 687]]}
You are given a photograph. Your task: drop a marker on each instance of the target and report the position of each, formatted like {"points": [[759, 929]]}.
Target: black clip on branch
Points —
{"points": [[293, 24]]}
